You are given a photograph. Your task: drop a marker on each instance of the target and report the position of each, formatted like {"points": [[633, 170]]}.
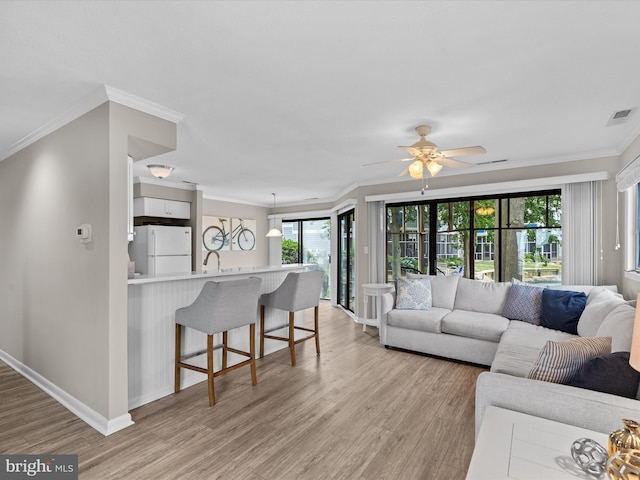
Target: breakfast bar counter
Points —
{"points": [[152, 302]]}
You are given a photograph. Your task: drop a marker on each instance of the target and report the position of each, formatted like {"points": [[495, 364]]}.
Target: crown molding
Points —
{"points": [[165, 183], [94, 99], [532, 184], [138, 103]]}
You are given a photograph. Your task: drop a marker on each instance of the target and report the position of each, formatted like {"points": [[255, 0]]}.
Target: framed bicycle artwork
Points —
{"points": [[224, 233]]}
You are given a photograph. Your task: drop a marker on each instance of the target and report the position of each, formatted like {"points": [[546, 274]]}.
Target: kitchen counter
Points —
{"points": [[152, 302], [211, 275]]}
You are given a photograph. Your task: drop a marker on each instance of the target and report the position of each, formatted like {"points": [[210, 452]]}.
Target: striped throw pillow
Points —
{"points": [[558, 362]]}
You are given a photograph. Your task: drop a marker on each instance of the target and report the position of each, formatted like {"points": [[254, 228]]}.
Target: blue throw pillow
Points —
{"points": [[413, 294], [561, 309], [609, 373]]}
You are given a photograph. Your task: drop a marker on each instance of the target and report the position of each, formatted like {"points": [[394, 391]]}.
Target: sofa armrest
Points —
{"points": [[601, 412], [387, 300]]}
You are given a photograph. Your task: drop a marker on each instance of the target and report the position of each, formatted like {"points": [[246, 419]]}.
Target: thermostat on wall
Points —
{"points": [[83, 233]]}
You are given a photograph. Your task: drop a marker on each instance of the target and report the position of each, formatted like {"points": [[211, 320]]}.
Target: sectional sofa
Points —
{"points": [[515, 329]]}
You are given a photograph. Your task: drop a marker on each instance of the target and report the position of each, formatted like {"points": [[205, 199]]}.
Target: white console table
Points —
{"points": [[375, 291], [515, 446]]}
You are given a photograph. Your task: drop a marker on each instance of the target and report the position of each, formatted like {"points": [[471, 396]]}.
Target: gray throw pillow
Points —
{"points": [[523, 303]]}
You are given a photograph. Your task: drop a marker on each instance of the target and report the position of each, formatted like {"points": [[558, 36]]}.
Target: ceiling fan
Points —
{"points": [[425, 154]]}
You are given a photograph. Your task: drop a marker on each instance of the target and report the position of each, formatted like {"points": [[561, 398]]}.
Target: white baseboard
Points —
{"points": [[82, 411], [187, 381]]}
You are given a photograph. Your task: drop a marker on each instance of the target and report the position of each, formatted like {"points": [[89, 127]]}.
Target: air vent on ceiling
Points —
{"points": [[620, 116], [492, 161]]}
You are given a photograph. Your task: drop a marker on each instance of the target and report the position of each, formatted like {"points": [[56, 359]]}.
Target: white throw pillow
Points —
{"points": [[413, 294], [600, 303]]}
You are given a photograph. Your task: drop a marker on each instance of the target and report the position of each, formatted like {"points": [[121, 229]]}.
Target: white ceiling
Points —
{"points": [[294, 97]]}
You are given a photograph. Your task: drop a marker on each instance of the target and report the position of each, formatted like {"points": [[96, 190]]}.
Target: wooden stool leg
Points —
{"points": [[315, 322], [261, 331], [252, 352], [178, 359], [292, 345], [225, 352], [212, 394]]}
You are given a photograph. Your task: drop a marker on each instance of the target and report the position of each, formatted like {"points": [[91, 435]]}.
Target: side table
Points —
{"points": [[375, 291], [514, 445]]}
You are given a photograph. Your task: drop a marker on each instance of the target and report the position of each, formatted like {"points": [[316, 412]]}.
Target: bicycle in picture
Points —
{"points": [[214, 237]]}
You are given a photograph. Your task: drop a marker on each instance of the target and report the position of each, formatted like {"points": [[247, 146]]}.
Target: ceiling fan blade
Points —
{"points": [[458, 152], [390, 161], [411, 150], [451, 163], [404, 172]]}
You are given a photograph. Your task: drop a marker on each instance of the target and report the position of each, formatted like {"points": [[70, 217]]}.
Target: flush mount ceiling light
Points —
{"points": [[160, 171], [274, 232]]}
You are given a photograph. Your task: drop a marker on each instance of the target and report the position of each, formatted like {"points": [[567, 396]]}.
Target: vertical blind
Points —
{"points": [[580, 238]]}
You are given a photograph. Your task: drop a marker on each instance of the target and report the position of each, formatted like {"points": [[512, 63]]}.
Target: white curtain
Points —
{"points": [[581, 234], [377, 263]]}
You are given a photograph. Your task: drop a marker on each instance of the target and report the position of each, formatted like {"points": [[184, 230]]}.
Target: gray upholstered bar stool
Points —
{"points": [[299, 291], [220, 307]]}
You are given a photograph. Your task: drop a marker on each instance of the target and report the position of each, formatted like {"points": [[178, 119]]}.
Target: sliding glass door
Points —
{"points": [[346, 267], [309, 241]]}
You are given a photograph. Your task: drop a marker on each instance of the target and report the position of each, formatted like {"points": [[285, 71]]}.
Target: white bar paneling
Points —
{"points": [[151, 333]]}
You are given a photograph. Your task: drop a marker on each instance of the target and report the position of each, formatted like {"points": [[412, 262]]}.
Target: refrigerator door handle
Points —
{"points": [[154, 256]]}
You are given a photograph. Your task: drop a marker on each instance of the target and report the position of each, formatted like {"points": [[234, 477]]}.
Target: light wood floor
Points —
{"points": [[359, 411]]}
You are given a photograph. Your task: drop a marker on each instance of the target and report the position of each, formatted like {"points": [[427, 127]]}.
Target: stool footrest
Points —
{"points": [[273, 329]]}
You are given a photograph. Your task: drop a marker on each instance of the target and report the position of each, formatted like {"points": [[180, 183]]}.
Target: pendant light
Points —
{"points": [[274, 232]]}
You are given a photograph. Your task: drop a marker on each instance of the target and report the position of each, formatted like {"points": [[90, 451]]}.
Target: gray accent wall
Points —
{"points": [[631, 283], [234, 258], [63, 304]]}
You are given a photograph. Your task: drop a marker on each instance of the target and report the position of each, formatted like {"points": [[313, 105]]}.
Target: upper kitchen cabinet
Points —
{"points": [[159, 207]]}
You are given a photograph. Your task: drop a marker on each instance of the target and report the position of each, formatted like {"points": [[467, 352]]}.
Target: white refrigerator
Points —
{"points": [[161, 250]]}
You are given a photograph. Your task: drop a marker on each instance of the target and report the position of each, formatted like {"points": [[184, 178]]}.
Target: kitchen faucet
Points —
{"points": [[207, 258]]}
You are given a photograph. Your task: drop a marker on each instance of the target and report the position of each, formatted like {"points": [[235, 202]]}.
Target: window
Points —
{"points": [[486, 238], [308, 241]]}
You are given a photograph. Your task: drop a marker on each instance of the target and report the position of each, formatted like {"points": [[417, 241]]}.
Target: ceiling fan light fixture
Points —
{"points": [[434, 168], [416, 169], [160, 171]]}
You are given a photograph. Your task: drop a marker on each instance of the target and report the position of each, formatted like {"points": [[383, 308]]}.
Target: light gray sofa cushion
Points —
{"points": [[618, 325], [423, 320], [485, 297], [586, 289], [520, 347], [600, 303], [483, 326], [443, 289]]}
